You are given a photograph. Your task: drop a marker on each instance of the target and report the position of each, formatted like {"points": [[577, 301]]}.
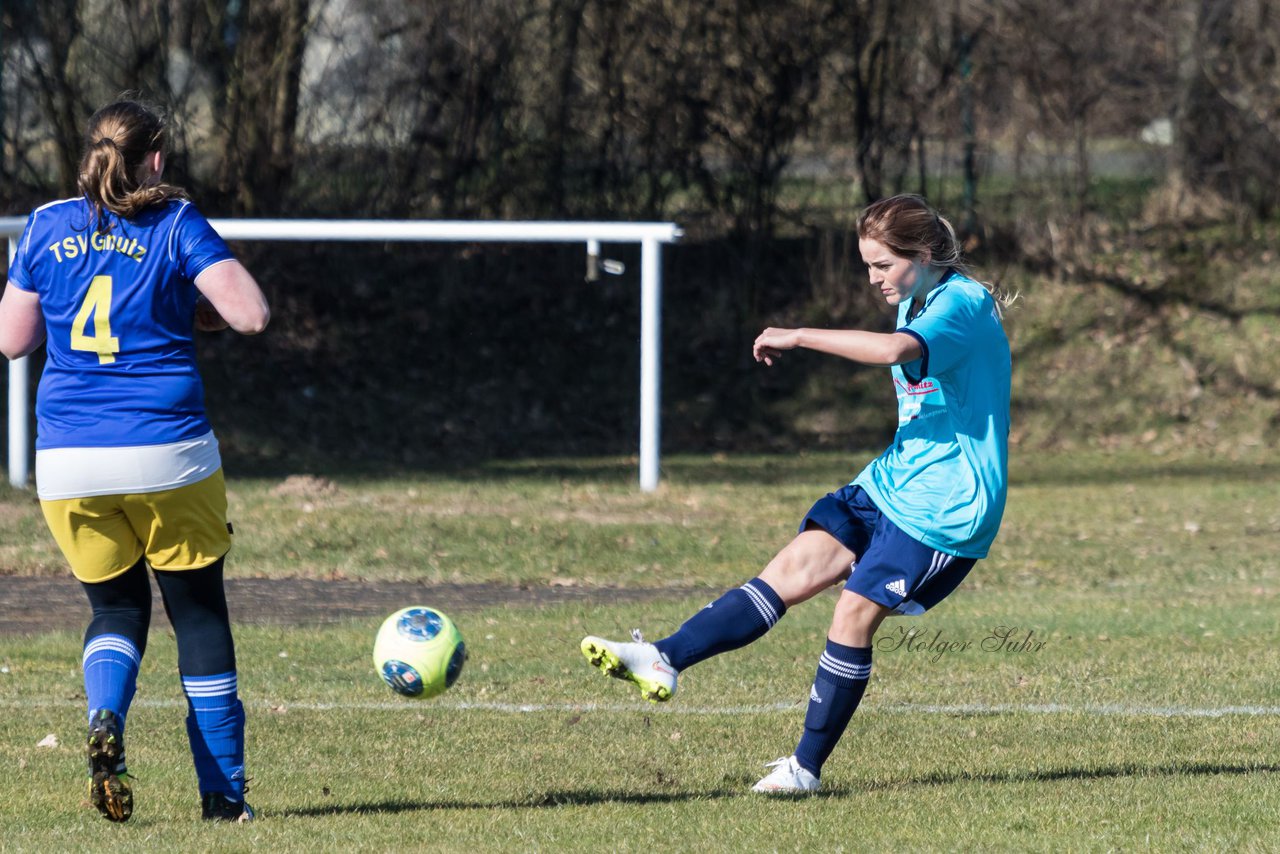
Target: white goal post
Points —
{"points": [[650, 236]]}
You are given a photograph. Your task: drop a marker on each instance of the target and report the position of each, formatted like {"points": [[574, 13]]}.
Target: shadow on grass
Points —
{"points": [[548, 799], [596, 798], [1189, 769]]}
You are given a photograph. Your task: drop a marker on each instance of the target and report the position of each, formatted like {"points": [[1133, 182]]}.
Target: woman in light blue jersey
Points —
{"points": [[907, 530], [115, 282]]}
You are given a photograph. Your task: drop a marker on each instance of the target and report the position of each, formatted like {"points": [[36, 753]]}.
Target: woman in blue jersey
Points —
{"points": [[905, 532], [115, 282]]}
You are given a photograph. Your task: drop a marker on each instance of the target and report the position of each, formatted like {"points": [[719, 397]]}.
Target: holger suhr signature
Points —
{"points": [[934, 645]]}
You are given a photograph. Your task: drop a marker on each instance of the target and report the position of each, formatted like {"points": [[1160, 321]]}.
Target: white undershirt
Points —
{"points": [[82, 472]]}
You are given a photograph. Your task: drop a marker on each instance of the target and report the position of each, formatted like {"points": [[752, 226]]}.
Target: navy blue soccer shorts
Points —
{"points": [[890, 567]]}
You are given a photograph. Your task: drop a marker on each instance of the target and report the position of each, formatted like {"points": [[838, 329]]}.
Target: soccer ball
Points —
{"points": [[419, 652]]}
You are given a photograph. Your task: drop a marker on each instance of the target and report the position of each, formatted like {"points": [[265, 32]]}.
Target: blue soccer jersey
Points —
{"points": [[119, 309], [944, 479]]}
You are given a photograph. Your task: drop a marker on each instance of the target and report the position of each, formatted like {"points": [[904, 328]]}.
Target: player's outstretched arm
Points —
{"points": [[867, 348], [234, 294], [21, 322]]}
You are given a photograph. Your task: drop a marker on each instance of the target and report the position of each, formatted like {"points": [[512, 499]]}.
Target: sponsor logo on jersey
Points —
{"points": [[925, 386]]}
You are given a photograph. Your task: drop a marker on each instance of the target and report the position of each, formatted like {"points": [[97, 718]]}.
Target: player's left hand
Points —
{"points": [[207, 317], [772, 342]]}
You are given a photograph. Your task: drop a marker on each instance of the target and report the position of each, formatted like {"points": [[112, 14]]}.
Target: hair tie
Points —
{"points": [[108, 140]]}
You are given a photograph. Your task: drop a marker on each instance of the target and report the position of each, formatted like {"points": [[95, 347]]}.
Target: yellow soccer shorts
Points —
{"points": [[102, 536]]}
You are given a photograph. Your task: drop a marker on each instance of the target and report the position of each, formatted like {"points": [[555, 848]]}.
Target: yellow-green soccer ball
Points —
{"points": [[419, 652]]}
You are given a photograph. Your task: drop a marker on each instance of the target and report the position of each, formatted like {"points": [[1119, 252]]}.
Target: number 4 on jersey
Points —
{"points": [[98, 303]]}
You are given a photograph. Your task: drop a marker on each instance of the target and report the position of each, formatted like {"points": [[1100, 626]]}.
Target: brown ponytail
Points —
{"points": [[113, 173]]}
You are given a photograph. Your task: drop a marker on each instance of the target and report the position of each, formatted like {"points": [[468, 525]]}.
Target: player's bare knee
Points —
{"points": [[794, 577], [856, 619]]}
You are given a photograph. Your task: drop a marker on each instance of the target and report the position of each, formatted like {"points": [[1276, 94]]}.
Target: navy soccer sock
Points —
{"points": [[734, 620], [842, 676], [197, 608], [116, 639]]}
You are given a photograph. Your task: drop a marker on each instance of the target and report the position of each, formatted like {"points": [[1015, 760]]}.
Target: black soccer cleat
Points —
{"points": [[109, 789], [216, 806]]}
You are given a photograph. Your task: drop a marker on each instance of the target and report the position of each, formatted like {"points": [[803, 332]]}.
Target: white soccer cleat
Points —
{"points": [[637, 662], [787, 778]]}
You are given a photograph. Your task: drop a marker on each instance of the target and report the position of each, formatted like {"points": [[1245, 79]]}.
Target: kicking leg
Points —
{"points": [[809, 564], [812, 562]]}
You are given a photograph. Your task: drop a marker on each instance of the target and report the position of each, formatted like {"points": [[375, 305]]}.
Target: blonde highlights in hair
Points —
{"points": [[909, 227], [114, 173]]}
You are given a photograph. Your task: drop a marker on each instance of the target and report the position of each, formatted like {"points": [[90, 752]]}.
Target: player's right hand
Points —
{"points": [[770, 344]]}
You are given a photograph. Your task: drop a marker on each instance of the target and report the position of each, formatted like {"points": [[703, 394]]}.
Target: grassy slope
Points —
{"points": [[1160, 339]]}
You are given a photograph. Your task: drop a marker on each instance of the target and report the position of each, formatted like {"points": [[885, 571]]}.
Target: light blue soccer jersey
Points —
{"points": [[944, 479], [119, 309]]}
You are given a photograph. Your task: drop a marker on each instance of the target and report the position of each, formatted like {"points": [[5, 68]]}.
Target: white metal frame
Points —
{"points": [[650, 235]]}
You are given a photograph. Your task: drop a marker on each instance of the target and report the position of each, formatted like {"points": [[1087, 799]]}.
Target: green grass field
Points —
{"points": [[1147, 717]]}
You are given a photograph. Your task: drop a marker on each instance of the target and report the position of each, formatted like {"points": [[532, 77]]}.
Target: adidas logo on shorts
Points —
{"points": [[898, 587]]}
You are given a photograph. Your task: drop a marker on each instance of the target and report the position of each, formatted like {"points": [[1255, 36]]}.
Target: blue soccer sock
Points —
{"points": [[111, 664], [842, 676], [215, 728], [734, 620]]}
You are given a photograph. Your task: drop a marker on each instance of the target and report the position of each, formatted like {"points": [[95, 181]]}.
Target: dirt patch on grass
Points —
{"points": [[30, 605], [305, 486]]}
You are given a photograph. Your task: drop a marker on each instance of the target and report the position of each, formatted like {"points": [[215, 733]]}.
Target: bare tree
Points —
{"points": [[1069, 60], [771, 60], [896, 70], [261, 52], [46, 35], [1228, 117]]}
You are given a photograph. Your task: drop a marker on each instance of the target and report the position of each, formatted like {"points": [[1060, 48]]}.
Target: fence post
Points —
{"points": [[19, 406], [650, 361]]}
